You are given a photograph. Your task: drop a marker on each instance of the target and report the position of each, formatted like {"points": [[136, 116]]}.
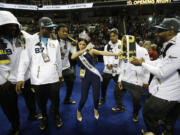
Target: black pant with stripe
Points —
{"points": [[106, 79], [136, 93]]}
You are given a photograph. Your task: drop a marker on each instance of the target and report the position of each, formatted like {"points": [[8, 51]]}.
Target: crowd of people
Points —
{"points": [[35, 65]]}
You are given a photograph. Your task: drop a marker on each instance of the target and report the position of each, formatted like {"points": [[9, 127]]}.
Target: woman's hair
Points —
{"points": [[79, 40]]}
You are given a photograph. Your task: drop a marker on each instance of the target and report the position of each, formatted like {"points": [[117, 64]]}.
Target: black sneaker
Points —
{"points": [[58, 121], [102, 101], [43, 123], [161, 122], [69, 101], [35, 116], [14, 132], [118, 109], [165, 132], [135, 118], [52, 109]]}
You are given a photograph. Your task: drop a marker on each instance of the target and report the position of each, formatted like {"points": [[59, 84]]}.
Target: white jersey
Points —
{"points": [[113, 60], [135, 74], [9, 71], [41, 72], [166, 81], [66, 47]]}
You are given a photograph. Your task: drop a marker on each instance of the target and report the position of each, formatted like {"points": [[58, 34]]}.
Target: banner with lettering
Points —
{"points": [[128, 47], [49, 7]]}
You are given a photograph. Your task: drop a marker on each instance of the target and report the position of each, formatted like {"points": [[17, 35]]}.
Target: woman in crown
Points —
{"points": [[89, 74]]}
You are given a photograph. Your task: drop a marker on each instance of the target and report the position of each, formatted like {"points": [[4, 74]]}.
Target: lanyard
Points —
{"points": [[44, 55], [65, 41], [46, 44]]}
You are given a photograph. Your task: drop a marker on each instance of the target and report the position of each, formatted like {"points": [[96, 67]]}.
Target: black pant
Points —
{"points": [[173, 115], [135, 91], [45, 92], [68, 76], [8, 102], [171, 118], [156, 109], [90, 79], [29, 98], [106, 79]]}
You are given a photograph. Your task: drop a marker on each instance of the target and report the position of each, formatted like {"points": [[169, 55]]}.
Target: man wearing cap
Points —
{"points": [[66, 48], [165, 85], [42, 57], [13, 40], [111, 64]]}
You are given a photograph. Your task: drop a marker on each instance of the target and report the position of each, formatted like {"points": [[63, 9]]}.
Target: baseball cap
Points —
{"points": [[114, 30], [46, 22], [169, 24]]}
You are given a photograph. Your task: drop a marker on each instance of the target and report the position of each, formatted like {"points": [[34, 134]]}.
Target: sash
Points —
{"points": [[90, 66]]}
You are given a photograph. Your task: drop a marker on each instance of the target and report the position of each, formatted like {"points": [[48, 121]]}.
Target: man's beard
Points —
{"points": [[12, 33], [46, 35], [114, 41], [159, 41]]}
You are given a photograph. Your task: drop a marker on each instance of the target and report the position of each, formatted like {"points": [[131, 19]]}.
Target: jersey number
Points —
{"points": [[39, 50], [8, 51]]}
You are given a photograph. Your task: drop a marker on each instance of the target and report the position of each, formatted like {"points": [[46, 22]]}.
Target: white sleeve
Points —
{"points": [[146, 72], [72, 48], [59, 61], [167, 66], [4, 72], [2, 79], [154, 70], [106, 58], [24, 62]]}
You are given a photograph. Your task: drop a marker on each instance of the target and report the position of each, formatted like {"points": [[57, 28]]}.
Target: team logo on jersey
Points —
{"points": [[172, 57], [52, 45]]}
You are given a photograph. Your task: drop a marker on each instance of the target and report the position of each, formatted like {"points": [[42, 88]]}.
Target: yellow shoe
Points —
{"points": [[79, 116], [96, 114]]}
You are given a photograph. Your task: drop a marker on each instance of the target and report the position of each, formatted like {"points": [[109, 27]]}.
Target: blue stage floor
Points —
{"points": [[109, 123]]}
